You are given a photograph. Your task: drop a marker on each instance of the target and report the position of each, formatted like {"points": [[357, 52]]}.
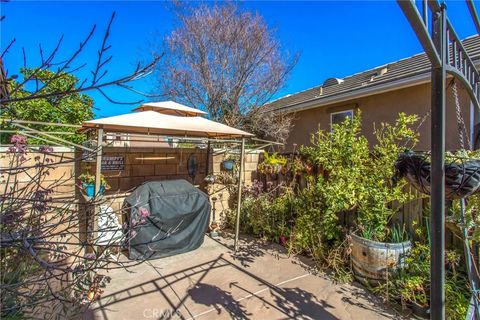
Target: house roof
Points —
{"points": [[153, 122], [170, 107], [387, 77]]}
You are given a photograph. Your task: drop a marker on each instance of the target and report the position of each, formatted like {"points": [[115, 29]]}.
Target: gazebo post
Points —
{"points": [[239, 199], [207, 163], [98, 180]]}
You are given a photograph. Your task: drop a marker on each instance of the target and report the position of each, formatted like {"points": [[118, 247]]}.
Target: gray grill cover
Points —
{"points": [[178, 220]]}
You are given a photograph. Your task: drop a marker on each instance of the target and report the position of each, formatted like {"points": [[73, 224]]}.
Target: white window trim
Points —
{"points": [[339, 112]]}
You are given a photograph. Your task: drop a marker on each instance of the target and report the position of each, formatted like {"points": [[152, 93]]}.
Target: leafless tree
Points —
{"points": [[227, 61], [51, 263]]}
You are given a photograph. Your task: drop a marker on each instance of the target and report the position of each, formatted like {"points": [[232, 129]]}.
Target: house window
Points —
{"points": [[339, 117]]}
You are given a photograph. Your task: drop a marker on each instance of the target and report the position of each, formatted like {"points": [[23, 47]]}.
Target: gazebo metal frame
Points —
{"points": [[102, 133]]}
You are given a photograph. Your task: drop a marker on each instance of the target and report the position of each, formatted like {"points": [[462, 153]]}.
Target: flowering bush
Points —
{"points": [[19, 147], [46, 259]]}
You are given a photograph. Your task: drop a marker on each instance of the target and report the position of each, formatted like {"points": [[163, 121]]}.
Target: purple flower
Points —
{"points": [[45, 149], [90, 256], [18, 139], [255, 189], [133, 233], [20, 146]]}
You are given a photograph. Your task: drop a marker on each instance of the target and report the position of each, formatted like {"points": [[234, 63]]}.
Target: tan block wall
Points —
{"points": [[143, 164], [220, 192], [384, 107], [148, 164], [140, 167], [59, 176]]}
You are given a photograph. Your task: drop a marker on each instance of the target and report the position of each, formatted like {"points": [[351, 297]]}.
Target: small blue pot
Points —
{"points": [[228, 165], [90, 189]]}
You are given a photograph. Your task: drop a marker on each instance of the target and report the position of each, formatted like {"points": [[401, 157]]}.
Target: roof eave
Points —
{"points": [[398, 84], [358, 93]]}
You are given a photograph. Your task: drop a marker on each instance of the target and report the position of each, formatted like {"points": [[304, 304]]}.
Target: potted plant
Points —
{"points": [[357, 181], [88, 183], [272, 164], [379, 248], [462, 172], [411, 286], [225, 178], [308, 169], [229, 163], [373, 261], [297, 167]]}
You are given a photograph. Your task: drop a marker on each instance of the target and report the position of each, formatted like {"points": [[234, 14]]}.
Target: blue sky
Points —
{"points": [[335, 39]]}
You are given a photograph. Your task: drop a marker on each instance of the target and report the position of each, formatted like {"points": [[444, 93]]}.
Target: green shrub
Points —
{"points": [[412, 284], [357, 182], [359, 179], [313, 217], [264, 216]]}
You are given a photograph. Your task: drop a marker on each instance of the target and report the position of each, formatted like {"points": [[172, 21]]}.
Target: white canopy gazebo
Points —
{"points": [[169, 119], [170, 107], [155, 122]]}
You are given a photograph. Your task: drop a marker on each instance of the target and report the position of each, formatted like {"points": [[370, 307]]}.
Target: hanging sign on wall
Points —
{"points": [[113, 163]]}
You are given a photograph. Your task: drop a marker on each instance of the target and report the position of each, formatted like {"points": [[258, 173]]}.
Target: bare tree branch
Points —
{"points": [[50, 265], [227, 61], [8, 47], [64, 68]]}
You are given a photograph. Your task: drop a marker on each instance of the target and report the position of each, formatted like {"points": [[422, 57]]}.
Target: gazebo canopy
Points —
{"points": [[155, 121], [168, 119], [170, 107]]}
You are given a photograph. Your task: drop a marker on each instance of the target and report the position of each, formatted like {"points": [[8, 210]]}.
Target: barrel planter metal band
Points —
{"points": [[372, 260]]}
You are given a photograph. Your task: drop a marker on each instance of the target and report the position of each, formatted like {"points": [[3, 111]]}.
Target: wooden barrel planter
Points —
{"points": [[373, 260]]}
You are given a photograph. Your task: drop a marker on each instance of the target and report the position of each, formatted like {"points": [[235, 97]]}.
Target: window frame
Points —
{"points": [[339, 112]]}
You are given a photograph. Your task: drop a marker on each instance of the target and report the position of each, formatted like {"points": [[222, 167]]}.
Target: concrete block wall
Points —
{"points": [[140, 164], [59, 176], [54, 170], [143, 164], [218, 192], [148, 164]]}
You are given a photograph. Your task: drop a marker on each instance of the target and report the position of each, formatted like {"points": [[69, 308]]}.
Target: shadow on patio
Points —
{"points": [[221, 287]]}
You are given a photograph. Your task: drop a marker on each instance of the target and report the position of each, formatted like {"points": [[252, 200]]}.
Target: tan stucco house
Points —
{"points": [[380, 93]]}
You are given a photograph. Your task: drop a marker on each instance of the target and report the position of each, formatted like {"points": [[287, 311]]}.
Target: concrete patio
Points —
{"points": [[259, 282]]}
